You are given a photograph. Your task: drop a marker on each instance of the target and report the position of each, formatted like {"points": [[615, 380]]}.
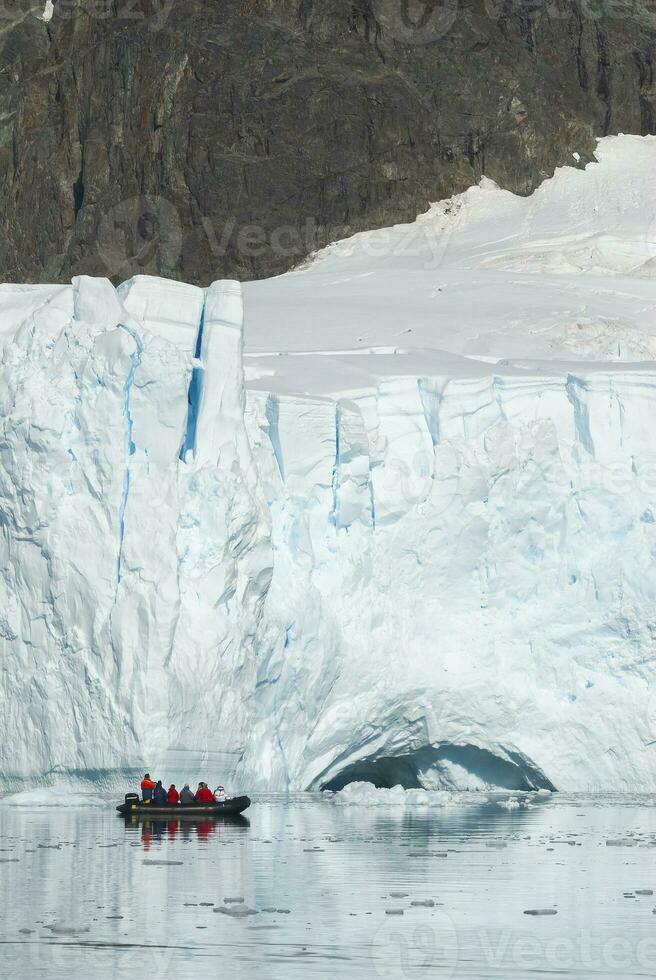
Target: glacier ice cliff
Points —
{"points": [[464, 570], [399, 564], [132, 580]]}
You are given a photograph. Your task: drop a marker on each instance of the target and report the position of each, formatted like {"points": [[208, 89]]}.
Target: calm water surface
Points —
{"points": [[85, 894]]}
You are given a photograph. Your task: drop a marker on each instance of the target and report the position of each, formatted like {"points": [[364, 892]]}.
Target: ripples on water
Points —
{"points": [[85, 894]]}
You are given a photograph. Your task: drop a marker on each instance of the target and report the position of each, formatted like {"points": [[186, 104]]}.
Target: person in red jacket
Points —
{"points": [[172, 796], [147, 787], [204, 794]]}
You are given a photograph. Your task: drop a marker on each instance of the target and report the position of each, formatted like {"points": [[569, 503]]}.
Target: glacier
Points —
{"points": [[389, 518]]}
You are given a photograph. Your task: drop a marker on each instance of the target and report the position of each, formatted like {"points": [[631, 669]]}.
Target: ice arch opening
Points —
{"points": [[450, 767]]}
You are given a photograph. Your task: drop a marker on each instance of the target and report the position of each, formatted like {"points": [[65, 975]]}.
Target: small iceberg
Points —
{"points": [[366, 794], [54, 797]]}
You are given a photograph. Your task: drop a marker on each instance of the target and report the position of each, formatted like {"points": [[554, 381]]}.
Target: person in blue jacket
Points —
{"points": [[159, 794]]}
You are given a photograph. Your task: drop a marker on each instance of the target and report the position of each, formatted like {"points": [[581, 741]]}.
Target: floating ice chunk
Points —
{"points": [[511, 804], [366, 794], [236, 912], [153, 862], [66, 929]]}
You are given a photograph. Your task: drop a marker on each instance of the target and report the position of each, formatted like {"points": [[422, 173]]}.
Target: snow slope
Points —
{"points": [[406, 537], [565, 273]]}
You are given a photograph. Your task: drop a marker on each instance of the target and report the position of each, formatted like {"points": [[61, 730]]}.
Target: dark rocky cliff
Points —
{"points": [[200, 139]]}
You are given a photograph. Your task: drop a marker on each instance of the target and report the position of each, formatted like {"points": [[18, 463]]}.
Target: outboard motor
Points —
{"points": [[131, 799]]}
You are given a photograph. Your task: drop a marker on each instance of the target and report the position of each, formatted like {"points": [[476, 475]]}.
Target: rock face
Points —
{"points": [[199, 141]]}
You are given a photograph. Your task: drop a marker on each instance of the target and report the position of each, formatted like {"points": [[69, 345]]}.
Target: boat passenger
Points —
{"points": [[220, 795], [172, 797], [159, 794], [203, 794], [147, 787], [186, 796]]}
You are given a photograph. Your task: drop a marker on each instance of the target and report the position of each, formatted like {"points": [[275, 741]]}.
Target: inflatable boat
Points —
{"points": [[133, 806]]}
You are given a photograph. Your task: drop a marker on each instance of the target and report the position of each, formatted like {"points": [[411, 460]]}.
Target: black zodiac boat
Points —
{"points": [[133, 806]]}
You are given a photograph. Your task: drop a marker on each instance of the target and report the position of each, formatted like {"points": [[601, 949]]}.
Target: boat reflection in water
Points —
{"points": [[153, 830]]}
